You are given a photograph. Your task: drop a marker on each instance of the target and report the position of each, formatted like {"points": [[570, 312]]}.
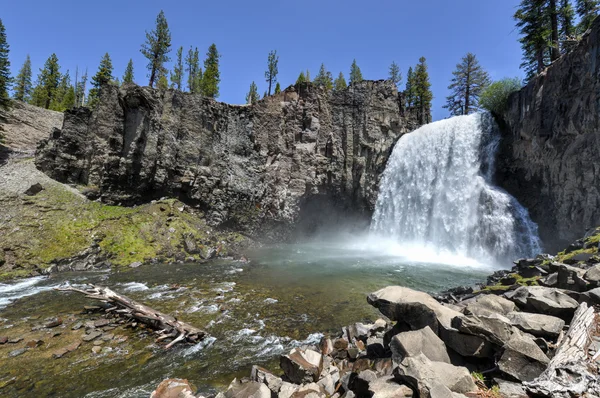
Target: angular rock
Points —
{"points": [[545, 300], [3, 339], [593, 274], [251, 389], [468, 345], [362, 381], [387, 387], [522, 359], [91, 336], [571, 278], [537, 324], [422, 341], [497, 329], [173, 388], [54, 322], [17, 352], [509, 389], [423, 375], [488, 304], [550, 280], [415, 308], [591, 297], [34, 189], [301, 366]]}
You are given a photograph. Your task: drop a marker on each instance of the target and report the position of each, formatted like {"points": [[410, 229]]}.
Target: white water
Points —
{"points": [[437, 194]]}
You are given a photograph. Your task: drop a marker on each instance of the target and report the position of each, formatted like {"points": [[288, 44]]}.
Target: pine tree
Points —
{"points": [[536, 34], [587, 11], [80, 88], [162, 84], [307, 76], [192, 61], [409, 92], [469, 81], [395, 75], [47, 83], [423, 94], [554, 45], [566, 32], [301, 78], [340, 83], [23, 85], [128, 75], [157, 47], [355, 73], [252, 97], [103, 76], [177, 74], [277, 88], [57, 103], [324, 78], [4, 68], [272, 70], [211, 77]]}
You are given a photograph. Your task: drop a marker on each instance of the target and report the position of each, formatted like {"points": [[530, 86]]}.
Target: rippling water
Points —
{"points": [[285, 296]]}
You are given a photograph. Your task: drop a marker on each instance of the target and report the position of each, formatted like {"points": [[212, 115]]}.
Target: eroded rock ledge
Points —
{"points": [[298, 155]]}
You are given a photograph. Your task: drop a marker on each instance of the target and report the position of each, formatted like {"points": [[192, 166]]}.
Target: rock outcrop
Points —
{"points": [[551, 149], [295, 156]]}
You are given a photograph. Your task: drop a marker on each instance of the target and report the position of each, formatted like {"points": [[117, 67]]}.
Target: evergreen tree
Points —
{"points": [[162, 83], [47, 83], [423, 94], [554, 45], [62, 92], [566, 18], [4, 68], [469, 81], [177, 74], [587, 11], [128, 75], [272, 70], [157, 47], [211, 77], [536, 32], [252, 97], [301, 78], [395, 75], [409, 92], [340, 83], [265, 94], [192, 61], [23, 85], [103, 76], [80, 88], [277, 88], [307, 76], [324, 78], [355, 73]]}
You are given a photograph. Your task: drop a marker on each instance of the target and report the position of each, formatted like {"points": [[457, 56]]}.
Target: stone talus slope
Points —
{"points": [[251, 168], [550, 157]]}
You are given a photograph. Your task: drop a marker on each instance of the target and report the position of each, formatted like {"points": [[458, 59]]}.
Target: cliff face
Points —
{"points": [[251, 168], [550, 155]]}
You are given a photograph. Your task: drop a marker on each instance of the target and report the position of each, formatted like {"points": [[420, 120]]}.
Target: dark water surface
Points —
{"points": [[285, 296]]}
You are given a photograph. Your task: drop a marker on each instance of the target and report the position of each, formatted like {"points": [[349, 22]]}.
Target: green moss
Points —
{"points": [[477, 376], [563, 257]]}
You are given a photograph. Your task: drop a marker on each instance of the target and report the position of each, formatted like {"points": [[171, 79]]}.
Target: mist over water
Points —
{"points": [[437, 197]]}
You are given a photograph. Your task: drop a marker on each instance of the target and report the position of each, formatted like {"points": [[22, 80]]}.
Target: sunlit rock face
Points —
{"points": [[302, 155], [437, 191], [550, 153]]}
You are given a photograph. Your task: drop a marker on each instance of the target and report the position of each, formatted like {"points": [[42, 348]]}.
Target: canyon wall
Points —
{"points": [[304, 154], [550, 155]]}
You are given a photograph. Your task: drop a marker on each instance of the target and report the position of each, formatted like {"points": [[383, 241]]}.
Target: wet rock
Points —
{"points": [[16, 353], [509, 389], [522, 359], [301, 366], [424, 375], [34, 189], [173, 388], [417, 309], [91, 336], [422, 341], [537, 324], [545, 300]]}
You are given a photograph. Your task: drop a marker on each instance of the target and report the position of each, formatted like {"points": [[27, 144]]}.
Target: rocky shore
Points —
{"points": [[531, 331]]}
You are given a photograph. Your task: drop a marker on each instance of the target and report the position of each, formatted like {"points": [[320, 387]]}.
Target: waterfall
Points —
{"points": [[437, 192]]}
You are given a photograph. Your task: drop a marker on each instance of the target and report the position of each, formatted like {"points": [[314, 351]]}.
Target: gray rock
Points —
{"points": [[522, 358], [550, 280], [591, 297], [387, 387], [496, 329], [251, 389], [509, 389], [537, 324], [593, 274], [468, 345], [487, 305], [415, 308], [17, 352], [422, 341], [571, 278], [34, 189], [301, 366], [545, 300], [362, 382], [422, 375], [262, 375]]}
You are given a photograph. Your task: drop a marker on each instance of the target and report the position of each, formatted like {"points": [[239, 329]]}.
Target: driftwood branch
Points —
{"points": [[166, 326], [568, 373]]}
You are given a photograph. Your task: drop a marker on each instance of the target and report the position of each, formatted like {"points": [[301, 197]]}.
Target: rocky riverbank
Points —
{"points": [[531, 331]]}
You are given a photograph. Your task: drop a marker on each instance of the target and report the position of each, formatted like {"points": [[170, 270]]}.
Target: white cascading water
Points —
{"points": [[437, 192]]}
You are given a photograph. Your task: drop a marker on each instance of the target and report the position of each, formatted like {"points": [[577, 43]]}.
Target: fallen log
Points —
{"points": [[569, 373], [167, 326]]}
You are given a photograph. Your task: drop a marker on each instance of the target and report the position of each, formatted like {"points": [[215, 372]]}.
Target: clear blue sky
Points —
{"points": [[304, 33]]}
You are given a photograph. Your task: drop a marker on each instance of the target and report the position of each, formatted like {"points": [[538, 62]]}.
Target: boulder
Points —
{"points": [[423, 341], [248, 389], [262, 375], [593, 274], [549, 301], [522, 359], [571, 278], [387, 387], [415, 308], [301, 366], [487, 305], [362, 381], [311, 390], [468, 345], [496, 329], [509, 389], [550, 280], [537, 324], [173, 388], [422, 375], [591, 297], [34, 189]]}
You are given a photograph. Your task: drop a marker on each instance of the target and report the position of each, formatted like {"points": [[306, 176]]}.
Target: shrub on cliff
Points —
{"points": [[495, 97]]}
